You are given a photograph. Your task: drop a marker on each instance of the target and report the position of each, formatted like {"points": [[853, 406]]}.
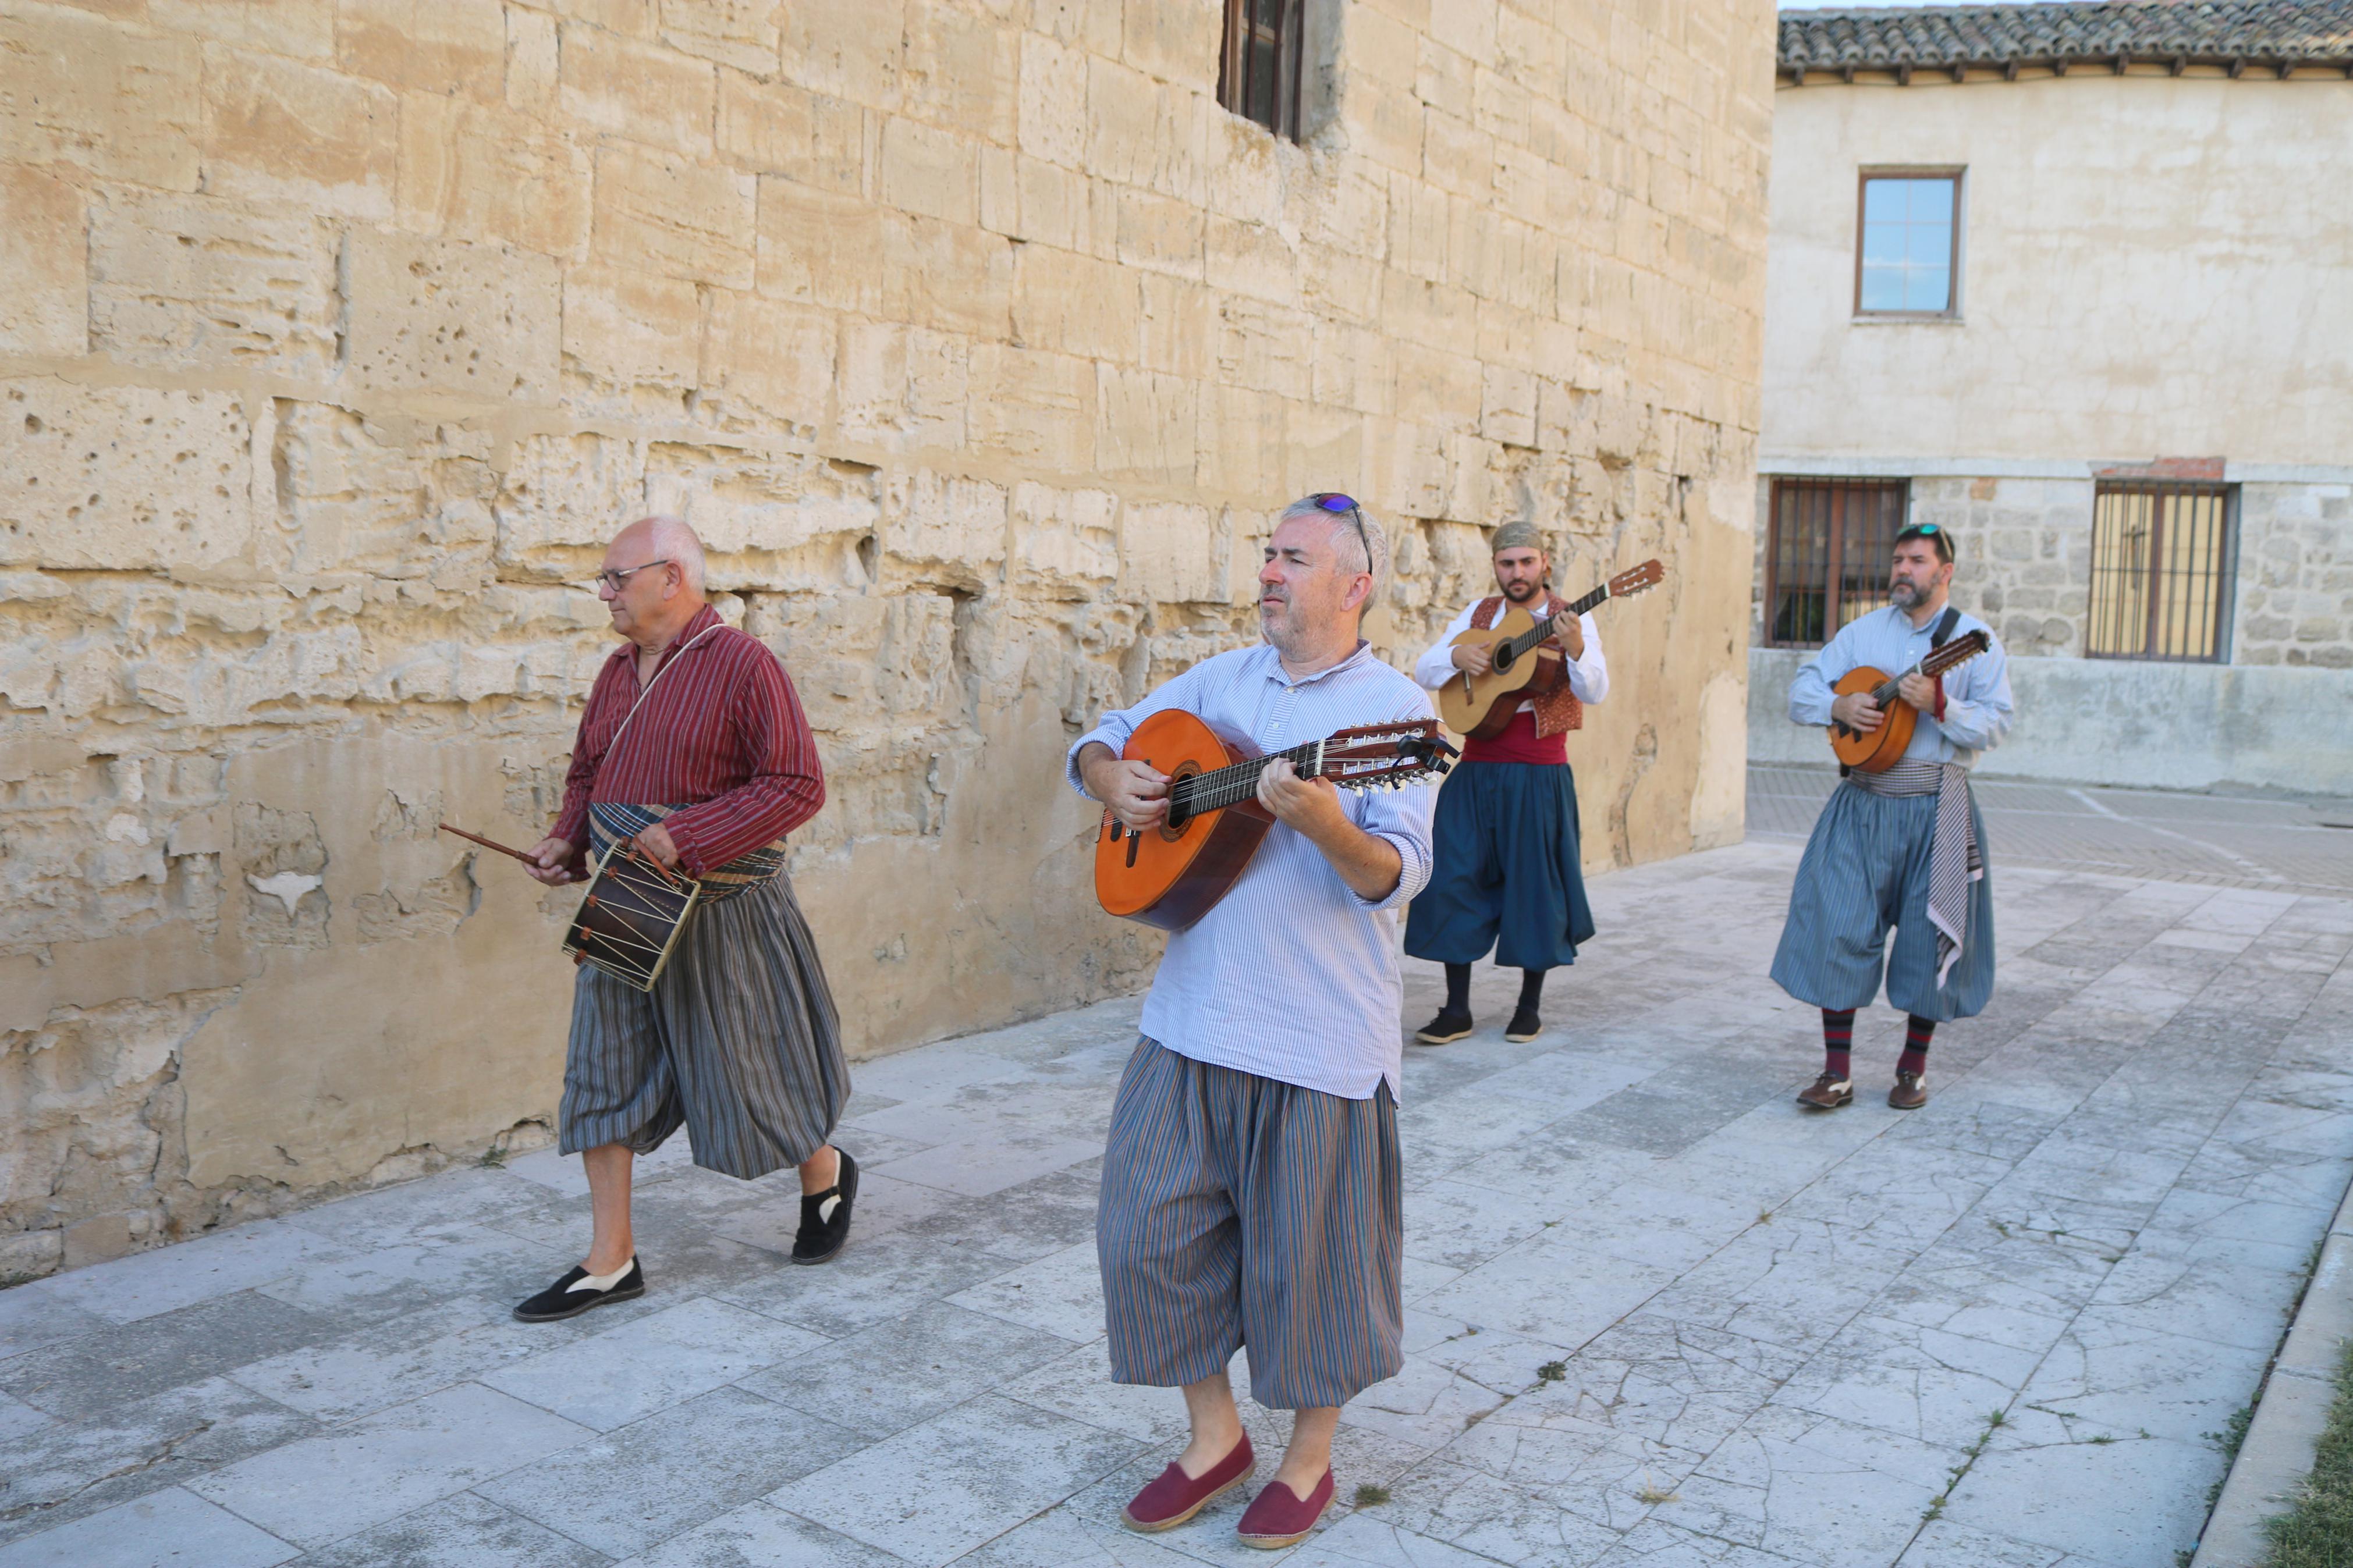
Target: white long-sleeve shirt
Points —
{"points": [[1588, 676]]}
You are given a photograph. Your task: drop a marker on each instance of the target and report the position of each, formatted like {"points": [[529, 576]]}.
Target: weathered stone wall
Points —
{"points": [[977, 341]]}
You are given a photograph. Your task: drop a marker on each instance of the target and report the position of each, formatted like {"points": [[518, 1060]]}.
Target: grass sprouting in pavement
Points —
{"points": [[2317, 1532]]}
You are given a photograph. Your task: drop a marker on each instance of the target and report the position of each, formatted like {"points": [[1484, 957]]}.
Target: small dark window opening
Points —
{"points": [[1826, 555], [2160, 571], [1258, 73]]}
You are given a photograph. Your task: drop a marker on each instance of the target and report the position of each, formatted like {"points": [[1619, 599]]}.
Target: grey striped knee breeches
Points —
{"points": [[738, 1041], [1241, 1211]]}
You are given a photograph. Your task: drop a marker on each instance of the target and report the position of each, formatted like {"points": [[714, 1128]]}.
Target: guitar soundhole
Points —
{"points": [[1179, 816], [1504, 659]]}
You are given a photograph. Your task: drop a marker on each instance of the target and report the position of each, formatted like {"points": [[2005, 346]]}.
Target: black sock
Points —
{"points": [[1531, 989], [1458, 988], [1838, 1041]]}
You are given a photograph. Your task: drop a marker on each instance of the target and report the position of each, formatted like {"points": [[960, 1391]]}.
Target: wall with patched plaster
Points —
{"points": [[979, 342]]}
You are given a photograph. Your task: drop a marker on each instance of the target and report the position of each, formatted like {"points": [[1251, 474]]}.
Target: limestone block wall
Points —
{"points": [[979, 343]]}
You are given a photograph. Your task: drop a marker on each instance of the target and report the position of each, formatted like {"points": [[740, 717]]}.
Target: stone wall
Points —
{"points": [[2025, 545], [977, 340]]}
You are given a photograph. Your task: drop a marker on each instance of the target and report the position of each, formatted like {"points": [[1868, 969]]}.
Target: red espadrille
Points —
{"points": [[1175, 1496], [1279, 1516]]}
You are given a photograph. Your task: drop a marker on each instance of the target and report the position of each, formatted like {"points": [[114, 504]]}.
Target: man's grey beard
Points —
{"points": [[1906, 596]]}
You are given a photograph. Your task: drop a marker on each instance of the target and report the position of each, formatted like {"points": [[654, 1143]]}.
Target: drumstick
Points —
{"points": [[490, 844]]}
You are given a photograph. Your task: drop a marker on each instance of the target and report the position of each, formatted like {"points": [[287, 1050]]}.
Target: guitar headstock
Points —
{"points": [[1968, 646], [1637, 579], [1387, 756]]}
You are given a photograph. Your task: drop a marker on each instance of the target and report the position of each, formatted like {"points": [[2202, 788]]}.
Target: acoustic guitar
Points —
{"points": [[1171, 875], [1876, 751], [1526, 663]]}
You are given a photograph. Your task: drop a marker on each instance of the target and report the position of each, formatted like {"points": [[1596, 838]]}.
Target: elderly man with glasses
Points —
{"points": [[693, 748], [1250, 1187]]}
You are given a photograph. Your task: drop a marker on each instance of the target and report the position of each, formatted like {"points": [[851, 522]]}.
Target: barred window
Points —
{"points": [[1907, 257], [1827, 548], [2160, 571], [1258, 73]]}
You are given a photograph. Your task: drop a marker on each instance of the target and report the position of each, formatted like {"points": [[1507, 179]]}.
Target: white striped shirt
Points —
{"points": [[1291, 976]]}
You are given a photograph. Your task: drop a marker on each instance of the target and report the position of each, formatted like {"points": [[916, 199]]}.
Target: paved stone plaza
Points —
{"points": [[1656, 1314]]}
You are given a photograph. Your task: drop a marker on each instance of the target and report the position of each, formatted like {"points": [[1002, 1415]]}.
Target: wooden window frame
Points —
{"points": [[1959, 174], [2222, 579], [1289, 70], [1833, 547]]}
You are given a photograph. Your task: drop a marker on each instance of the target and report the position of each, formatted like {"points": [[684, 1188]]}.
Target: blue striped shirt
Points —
{"points": [[1978, 709], [1291, 976]]}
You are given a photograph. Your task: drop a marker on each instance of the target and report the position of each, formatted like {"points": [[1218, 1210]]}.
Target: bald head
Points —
{"points": [[659, 563]]}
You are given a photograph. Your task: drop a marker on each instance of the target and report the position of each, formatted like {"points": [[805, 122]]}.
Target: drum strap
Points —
{"points": [[649, 691]]}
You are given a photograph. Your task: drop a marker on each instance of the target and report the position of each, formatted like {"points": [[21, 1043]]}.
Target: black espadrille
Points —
{"points": [[573, 1295], [825, 1216]]}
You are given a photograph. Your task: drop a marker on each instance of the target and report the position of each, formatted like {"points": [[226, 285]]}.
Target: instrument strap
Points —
{"points": [[648, 690], [1942, 632]]}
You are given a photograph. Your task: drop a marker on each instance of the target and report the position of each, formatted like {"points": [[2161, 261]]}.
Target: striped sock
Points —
{"points": [[1838, 1042], [1916, 1035]]}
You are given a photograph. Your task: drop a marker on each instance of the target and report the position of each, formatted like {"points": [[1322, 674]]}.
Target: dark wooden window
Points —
{"points": [[1259, 75], [1908, 253], [2160, 571], [1826, 553]]}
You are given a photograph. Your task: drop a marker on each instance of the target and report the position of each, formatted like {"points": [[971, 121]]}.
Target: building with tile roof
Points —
{"points": [[2075, 280], [2278, 36]]}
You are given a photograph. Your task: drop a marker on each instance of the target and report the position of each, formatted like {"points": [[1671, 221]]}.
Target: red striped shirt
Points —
{"points": [[721, 735]]}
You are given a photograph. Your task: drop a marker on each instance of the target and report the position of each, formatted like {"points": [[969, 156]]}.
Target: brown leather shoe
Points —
{"points": [[1827, 1092], [1909, 1093]]}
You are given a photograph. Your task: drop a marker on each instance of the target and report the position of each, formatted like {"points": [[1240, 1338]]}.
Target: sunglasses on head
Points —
{"points": [[1335, 503]]}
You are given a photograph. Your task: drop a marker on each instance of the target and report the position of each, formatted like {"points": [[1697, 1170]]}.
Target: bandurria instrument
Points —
{"points": [[631, 919], [1876, 751], [1481, 706], [1170, 875]]}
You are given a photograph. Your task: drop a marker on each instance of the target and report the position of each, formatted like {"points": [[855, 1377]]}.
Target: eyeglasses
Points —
{"points": [[1335, 503], [617, 580]]}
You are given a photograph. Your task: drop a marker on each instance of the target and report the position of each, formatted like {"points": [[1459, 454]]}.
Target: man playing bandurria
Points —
{"points": [[1904, 848], [693, 747], [1507, 875], [1251, 1188]]}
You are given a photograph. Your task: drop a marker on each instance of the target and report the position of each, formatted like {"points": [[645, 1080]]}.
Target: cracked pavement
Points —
{"points": [[1656, 1315]]}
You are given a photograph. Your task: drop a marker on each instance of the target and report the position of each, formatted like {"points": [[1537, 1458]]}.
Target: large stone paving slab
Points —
{"points": [[1656, 1314]]}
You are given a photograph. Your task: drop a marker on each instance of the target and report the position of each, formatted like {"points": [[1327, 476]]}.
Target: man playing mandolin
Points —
{"points": [[693, 748], [1904, 847], [1508, 874], [1251, 1188]]}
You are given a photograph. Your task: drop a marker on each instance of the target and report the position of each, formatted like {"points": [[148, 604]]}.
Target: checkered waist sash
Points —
{"points": [[610, 822], [1954, 859]]}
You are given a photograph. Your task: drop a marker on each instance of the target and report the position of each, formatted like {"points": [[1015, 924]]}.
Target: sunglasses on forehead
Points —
{"points": [[1335, 503]]}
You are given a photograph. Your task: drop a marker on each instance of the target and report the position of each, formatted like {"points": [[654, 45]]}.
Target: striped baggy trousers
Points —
{"points": [[1241, 1211], [738, 1041], [1865, 869]]}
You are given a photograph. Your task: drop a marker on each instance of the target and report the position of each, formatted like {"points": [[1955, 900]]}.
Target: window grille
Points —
{"points": [[1907, 259], [1827, 548], [2160, 571], [1258, 74]]}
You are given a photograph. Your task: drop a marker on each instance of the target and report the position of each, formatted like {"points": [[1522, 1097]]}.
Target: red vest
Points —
{"points": [[1555, 711]]}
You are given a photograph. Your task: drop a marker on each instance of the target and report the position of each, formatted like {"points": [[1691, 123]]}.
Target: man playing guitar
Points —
{"points": [[1507, 874], [1251, 1195]]}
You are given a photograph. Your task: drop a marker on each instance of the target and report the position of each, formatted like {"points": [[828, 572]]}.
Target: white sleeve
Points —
{"points": [[1435, 668], [1589, 677]]}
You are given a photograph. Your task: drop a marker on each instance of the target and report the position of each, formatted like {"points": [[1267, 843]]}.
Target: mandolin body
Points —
{"points": [[1169, 876], [1481, 706], [1881, 749]]}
